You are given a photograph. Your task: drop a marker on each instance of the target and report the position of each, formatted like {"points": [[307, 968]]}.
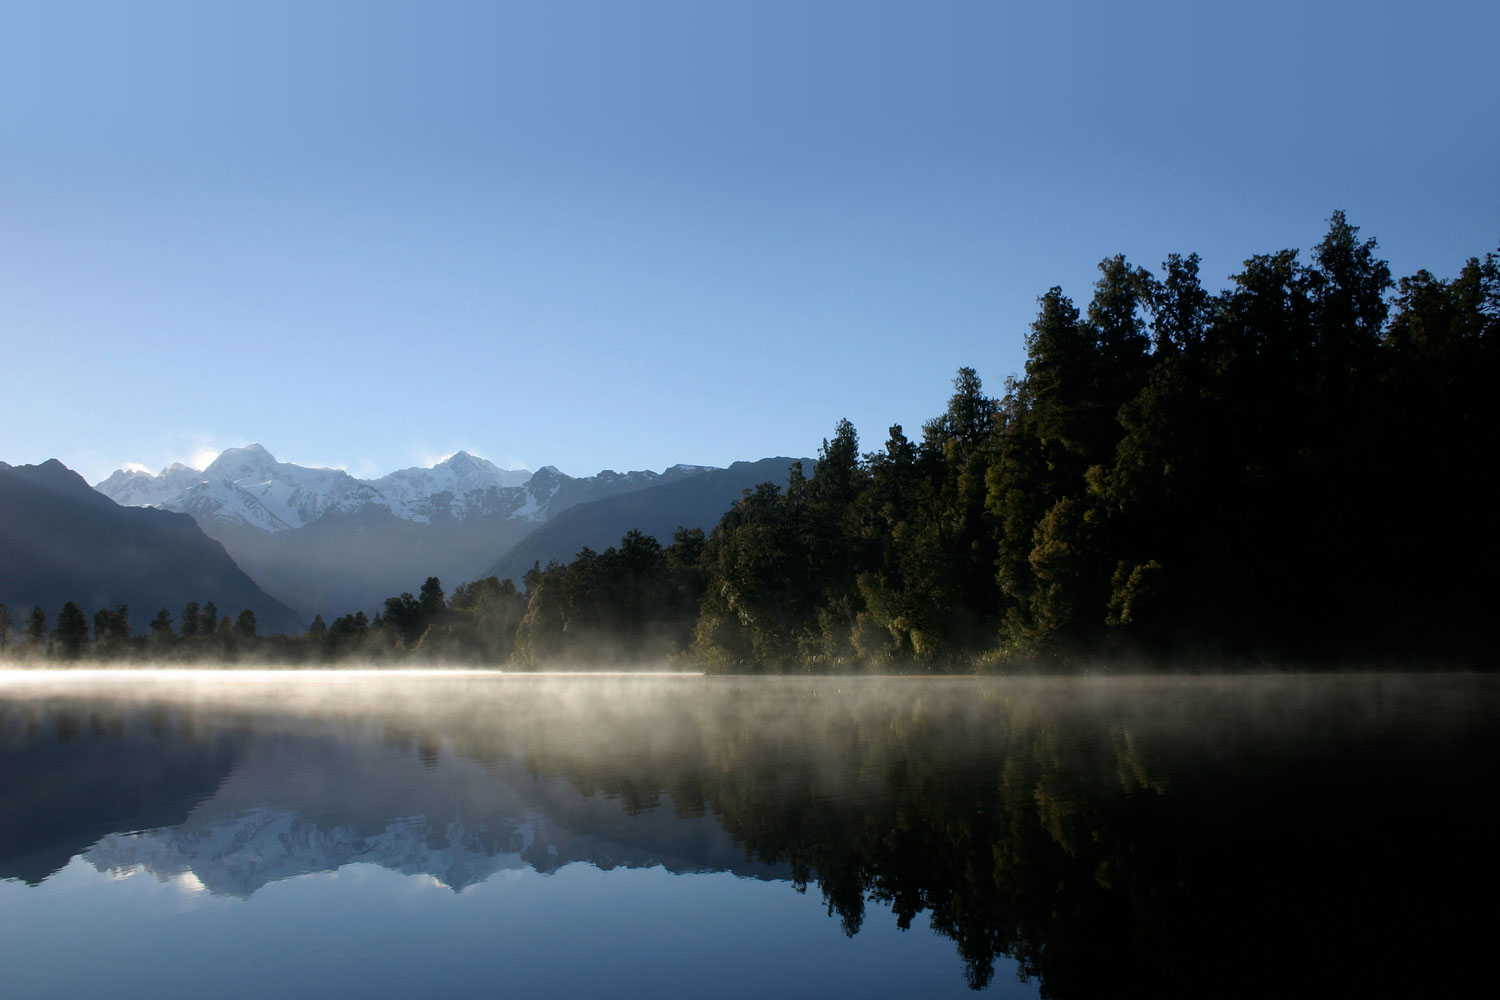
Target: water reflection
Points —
{"points": [[1108, 837]]}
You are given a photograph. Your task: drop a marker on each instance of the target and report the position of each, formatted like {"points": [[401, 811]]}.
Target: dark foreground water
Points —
{"points": [[297, 834]]}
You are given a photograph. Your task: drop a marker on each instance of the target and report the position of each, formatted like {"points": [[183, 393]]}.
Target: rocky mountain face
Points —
{"points": [[61, 541], [327, 543]]}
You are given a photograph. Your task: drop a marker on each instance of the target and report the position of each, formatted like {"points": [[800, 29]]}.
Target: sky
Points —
{"points": [[631, 234]]}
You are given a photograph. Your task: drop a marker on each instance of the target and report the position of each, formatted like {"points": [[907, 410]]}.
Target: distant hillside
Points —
{"points": [[61, 541], [696, 502]]}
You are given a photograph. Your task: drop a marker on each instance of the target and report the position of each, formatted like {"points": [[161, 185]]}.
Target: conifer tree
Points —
{"points": [[36, 629], [71, 631], [190, 626]]}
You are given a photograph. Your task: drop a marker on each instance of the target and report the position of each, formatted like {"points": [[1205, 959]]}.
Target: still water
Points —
{"points": [[182, 834]]}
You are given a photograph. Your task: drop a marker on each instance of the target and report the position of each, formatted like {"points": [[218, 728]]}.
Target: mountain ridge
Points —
{"points": [[696, 502], [248, 486], [61, 540], [326, 543]]}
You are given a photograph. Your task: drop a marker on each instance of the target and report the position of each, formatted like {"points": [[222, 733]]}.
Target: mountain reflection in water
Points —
{"points": [[1173, 836]]}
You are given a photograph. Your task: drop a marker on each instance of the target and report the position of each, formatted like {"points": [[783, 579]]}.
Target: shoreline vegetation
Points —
{"points": [[1286, 474]]}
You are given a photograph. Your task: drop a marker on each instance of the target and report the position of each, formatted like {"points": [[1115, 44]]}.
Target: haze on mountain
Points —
{"points": [[325, 542], [61, 541]]}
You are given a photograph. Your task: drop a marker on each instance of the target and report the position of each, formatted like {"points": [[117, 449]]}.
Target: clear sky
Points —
{"points": [[630, 233]]}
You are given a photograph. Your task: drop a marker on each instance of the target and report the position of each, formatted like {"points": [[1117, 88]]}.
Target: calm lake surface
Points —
{"points": [[181, 834]]}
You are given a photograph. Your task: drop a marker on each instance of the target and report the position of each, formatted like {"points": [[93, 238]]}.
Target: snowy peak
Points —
{"points": [[139, 488], [245, 486], [249, 462], [249, 487], [242, 854], [458, 474]]}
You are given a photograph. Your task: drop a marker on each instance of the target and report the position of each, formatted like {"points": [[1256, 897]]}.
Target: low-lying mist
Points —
{"points": [[601, 712]]}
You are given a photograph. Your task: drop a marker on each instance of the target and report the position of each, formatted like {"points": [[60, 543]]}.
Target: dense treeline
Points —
{"points": [[1286, 471], [202, 634]]}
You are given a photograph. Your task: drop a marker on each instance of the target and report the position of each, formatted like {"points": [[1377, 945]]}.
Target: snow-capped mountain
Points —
{"points": [[249, 487], [329, 544], [460, 473], [293, 806], [246, 852], [138, 488]]}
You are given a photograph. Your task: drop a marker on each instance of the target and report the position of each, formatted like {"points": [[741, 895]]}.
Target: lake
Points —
{"points": [[183, 834]]}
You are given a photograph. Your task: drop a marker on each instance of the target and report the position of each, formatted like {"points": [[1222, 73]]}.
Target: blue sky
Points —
{"points": [[628, 234]]}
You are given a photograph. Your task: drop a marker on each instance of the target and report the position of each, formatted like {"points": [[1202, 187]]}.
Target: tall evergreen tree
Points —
{"points": [[36, 629], [189, 627], [161, 627], [71, 631], [403, 618], [431, 601], [111, 630], [957, 542]]}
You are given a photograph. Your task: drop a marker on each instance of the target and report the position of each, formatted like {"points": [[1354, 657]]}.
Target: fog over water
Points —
{"points": [[1079, 833]]}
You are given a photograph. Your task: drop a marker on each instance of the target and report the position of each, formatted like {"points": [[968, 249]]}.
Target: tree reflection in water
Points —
{"points": [[1180, 836]]}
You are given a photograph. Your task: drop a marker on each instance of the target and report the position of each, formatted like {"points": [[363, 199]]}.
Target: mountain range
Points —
{"points": [[242, 806], [247, 487], [454, 820], [327, 543]]}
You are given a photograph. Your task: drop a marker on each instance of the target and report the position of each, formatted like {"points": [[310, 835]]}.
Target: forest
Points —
{"points": [[1287, 472]]}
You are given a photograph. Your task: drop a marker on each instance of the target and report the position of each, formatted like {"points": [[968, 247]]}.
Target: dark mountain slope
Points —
{"points": [[61, 541], [695, 502]]}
